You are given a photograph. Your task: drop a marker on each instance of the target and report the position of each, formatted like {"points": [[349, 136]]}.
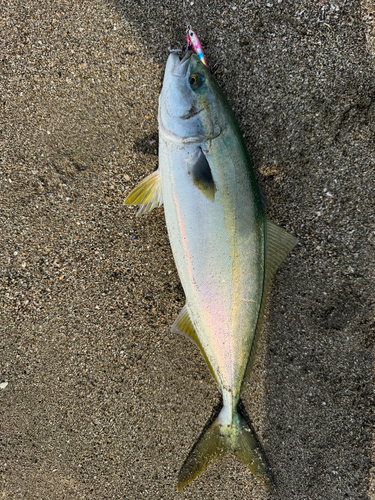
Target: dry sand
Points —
{"points": [[102, 401]]}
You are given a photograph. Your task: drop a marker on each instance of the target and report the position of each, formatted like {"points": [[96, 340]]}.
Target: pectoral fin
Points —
{"points": [[148, 194], [202, 175], [184, 326]]}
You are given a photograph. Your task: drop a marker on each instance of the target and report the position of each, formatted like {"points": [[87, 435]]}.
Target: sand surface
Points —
{"points": [[98, 400]]}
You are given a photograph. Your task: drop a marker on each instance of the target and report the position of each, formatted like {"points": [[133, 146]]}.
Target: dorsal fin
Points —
{"points": [[184, 326], [148, 194], [263, 199], [278, 243]]}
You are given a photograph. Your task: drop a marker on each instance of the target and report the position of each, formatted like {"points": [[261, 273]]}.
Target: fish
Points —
{"points": [[226, 251], [195, 45]]}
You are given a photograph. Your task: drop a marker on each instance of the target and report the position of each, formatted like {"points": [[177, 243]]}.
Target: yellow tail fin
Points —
{"points": [[239, 440]]}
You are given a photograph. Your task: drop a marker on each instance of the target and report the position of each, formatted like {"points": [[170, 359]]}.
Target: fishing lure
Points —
{"points": [[195, 45]]}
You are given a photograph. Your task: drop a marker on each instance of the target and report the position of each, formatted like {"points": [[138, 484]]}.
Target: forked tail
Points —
{"points": [[237, 439]]}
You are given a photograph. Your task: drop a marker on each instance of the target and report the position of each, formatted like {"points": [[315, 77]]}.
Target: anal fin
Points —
{"points": [[184, 326], [148, 194]]}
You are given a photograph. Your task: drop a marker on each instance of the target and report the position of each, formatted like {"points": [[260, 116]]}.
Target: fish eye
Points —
{"points": [[196, 80], [191, 33], [193, 80]]}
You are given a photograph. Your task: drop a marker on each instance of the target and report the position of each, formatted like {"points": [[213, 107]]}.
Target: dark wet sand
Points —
{"points": [[102, 401]]}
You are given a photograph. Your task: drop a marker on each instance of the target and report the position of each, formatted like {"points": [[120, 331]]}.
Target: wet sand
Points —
{"points": [[98, 400]]}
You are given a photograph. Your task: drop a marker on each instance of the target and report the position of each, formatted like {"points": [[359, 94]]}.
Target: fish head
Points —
{"points": [[190, 103]]}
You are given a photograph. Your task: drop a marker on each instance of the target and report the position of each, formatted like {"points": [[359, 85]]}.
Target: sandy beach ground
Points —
{"points": [[98, 400]]}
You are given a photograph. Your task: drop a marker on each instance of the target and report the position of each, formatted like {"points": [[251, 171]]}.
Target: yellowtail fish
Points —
{"points": [[226, 251]]}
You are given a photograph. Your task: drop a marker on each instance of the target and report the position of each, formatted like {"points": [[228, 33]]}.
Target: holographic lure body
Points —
{"points": [[195, 45]]}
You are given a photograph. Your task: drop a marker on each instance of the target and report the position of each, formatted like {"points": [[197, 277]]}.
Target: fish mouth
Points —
{"points": [[181, 68]]}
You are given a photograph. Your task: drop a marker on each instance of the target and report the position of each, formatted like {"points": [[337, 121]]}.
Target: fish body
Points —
{"points": [[217, 241], [225, 250]]}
